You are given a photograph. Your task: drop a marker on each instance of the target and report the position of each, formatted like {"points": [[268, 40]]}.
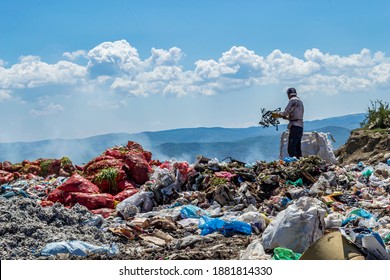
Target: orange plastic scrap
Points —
{"points": [[328, 200]]}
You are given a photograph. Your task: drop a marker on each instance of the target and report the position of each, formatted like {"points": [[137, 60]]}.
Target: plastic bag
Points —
{"points": [[78, 248], [333, 220], [313, 143], [256, 219], [382, 169], [290, 159], [254, 251], [210, 225], [188, 223], [285, 254], [143, 201], [367, 171], [295, 193], [192, 211], [297, 183], [96, 220], [296, 227], [368, 220], [387, 238], [163, 176], [320, 186]]}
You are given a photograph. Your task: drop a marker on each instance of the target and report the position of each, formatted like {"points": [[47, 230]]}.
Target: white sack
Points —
{"points": [[313, 143], [296, 227]]}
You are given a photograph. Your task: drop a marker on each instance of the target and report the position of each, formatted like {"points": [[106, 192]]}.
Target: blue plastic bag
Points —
{"points": [[227, 228], [192, 211], [11, 193], [5, 188], [355, 214], [233, 227], [209, 225], [290, 159]]}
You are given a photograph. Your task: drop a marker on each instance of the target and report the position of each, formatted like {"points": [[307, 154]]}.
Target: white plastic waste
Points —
{"points": [[254, 218], [334, 220], [313, 143], [140, 202], [78, 248], [383, 170], [296, 227], [254, 251]]}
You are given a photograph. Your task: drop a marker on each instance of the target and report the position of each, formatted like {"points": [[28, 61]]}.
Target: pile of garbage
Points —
{"points": [[125, 205]]}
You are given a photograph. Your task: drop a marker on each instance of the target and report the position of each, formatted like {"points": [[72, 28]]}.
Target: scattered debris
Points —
{"points": [[125, 205]]}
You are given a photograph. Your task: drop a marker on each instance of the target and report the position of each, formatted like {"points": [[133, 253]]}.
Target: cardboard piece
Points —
{"points": [[332, 246]]}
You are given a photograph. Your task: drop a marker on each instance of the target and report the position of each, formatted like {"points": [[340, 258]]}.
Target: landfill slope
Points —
{"points": [[369, 146]]}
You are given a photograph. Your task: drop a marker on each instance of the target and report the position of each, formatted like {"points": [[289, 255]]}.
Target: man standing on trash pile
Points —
{"points": [[294, 113]]}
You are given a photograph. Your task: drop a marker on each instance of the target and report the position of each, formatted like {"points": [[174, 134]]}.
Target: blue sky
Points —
{"points": [[73, 69]]}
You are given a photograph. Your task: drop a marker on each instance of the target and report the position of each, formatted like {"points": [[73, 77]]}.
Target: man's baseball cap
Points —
{"points": [[291, 91]]}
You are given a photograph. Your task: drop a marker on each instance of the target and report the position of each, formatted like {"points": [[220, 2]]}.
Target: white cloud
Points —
{"points": [[5, 95], [210, 69], [162, 57], [113, 58], [237, 63], [380, 74], [31, 72], [283, 66], [48, 110], [336, 62], [117, 67], [104, 104], [74, 55], [332, 85]]}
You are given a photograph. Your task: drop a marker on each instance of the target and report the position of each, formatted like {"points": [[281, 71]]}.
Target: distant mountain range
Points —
{"points": [[245, 144]]}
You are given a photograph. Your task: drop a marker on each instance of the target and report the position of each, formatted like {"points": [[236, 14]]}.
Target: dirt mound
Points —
{"points": [[369, 146]]}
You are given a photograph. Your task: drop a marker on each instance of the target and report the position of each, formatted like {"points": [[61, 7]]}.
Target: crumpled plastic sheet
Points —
{"points": [[296, 227], [227, 228], [78, 248]]}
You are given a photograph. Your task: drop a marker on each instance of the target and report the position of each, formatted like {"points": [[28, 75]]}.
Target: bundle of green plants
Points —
{"points": [[377, 116], [108, 175]]}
